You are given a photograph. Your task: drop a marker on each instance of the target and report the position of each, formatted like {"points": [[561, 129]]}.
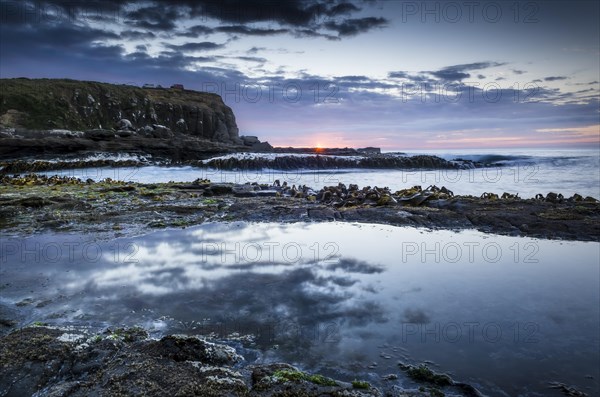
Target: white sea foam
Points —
{"points": [[78, 134], [102, 156], [273, 156]]}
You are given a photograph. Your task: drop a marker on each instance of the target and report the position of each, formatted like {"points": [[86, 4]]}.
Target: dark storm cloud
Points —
{"points": [[352, 27], [154, 17], [201, 30], [290, 12], [200, 46], [342, 8], [296, 17], [245, 30], [24, 39], [166, 60], [137, 35], [196, 30], [313, 33], [459, 72], [300, 13], [58, 11], [555, 78]]}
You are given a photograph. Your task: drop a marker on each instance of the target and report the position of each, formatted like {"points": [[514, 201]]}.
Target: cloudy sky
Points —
{"points": [[393, 74]]}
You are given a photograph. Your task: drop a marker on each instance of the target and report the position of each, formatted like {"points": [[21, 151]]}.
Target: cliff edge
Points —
{"points": [[47, 104]]}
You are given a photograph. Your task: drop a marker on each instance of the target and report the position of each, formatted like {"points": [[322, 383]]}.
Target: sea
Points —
{"points": [[526, 172], [512, 316]]}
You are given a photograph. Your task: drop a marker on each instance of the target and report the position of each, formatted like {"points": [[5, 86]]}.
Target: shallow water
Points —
{"points": [[506, 314], [524, 172]]}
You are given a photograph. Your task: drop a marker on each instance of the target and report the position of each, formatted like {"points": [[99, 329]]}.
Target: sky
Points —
{"points": [[339, 73]]}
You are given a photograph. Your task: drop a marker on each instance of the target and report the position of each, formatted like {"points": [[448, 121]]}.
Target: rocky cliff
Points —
{"points": [[46, 104]]}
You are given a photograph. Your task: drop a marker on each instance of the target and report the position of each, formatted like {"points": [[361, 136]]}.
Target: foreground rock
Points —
{"points": [[55, 362], [46, 361], [34, 203]]}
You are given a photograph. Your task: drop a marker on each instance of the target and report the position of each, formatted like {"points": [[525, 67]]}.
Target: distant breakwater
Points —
{"points": [[320, 162], [250, 162]]}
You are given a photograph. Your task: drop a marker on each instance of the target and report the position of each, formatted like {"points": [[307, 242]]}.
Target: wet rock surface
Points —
{"points": [[125, 362], [32, 203]]}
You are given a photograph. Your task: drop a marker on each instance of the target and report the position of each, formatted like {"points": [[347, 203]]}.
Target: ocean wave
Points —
{"points": [[273, 156], [497, 159], [94, 157]]}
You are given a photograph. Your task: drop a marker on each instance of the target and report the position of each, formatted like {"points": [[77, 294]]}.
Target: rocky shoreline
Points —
{"points": [[32, 204], [46, 144]]}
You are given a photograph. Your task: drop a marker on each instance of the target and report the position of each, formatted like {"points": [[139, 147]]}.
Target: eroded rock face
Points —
{"points": [[43, 104]]}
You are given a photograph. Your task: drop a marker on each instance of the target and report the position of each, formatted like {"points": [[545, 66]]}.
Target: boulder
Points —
{"points": [[249, 140], [262, 147], [125, 125], [181, 126], [161, 131]]}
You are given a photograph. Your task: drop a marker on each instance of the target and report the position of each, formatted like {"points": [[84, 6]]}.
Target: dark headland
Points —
{"points": [[49, 118]]}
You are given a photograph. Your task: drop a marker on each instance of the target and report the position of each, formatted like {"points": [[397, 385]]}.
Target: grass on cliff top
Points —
{"points": [[52, 103]]}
